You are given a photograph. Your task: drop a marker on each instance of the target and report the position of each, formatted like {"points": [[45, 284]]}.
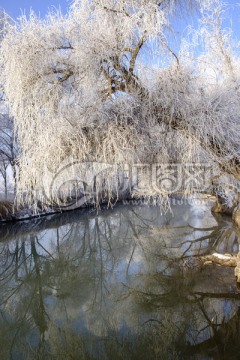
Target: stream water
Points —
{"points": [[123, 283]]}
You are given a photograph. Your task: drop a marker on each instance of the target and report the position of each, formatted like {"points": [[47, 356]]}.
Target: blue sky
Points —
{"points": [[15, 7]]}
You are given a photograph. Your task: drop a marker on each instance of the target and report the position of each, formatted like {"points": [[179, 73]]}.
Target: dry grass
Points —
{"points": [[6, 208]]}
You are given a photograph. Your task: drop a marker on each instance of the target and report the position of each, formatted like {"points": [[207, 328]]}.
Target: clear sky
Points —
{"points": [[15, 7]]}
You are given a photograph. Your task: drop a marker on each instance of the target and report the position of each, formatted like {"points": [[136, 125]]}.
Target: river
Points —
{"points": [[121, 283]]}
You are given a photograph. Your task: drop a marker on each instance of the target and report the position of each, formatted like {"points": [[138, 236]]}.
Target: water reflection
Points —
{"points": [[122, 284]]}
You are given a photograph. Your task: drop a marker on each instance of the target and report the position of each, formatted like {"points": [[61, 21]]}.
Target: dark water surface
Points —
{"points": [[125, 283]]}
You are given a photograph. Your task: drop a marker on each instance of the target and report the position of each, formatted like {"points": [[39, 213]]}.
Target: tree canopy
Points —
{"points": [[79, 87]]}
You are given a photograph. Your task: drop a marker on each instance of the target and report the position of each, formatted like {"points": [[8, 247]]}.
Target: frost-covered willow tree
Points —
{"points": [[8, 147], [80, 87]]}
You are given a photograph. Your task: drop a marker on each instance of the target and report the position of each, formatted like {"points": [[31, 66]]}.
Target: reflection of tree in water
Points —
{"points": [[119, 285]]}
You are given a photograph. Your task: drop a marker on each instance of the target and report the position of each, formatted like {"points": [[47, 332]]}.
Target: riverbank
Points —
{"points": [[9, 212]]}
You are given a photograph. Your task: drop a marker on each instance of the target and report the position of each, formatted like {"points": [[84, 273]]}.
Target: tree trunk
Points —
{"points": [[5, 187]]}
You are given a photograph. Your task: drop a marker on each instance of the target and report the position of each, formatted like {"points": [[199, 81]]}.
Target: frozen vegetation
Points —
{"points": [[86, 86]]}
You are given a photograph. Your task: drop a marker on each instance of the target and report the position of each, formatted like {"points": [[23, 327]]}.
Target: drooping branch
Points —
{"points": [[165, 44]]}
